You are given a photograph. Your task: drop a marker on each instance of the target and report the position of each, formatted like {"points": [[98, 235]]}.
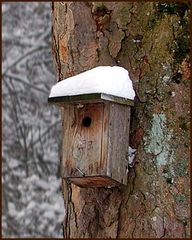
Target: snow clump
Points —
{"points": [[103, 79]]}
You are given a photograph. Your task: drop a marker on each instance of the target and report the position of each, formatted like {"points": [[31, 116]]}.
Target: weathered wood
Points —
{"points": [[95, 143], [82, 144], [118, 142], [95, 181], [86, 98]]}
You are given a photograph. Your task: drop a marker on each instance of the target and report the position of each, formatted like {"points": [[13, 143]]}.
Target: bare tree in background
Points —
{"points": [[151, 40], [32, 202]]}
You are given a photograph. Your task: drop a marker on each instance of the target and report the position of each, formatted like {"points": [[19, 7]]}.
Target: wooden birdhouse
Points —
{"points": [[95, 138]]}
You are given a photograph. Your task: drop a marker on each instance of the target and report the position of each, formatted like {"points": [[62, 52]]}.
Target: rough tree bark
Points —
{"points": [[151, 41]]}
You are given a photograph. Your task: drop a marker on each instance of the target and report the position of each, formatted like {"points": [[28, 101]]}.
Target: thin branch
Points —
{"points": [[20, 43], [46, 132], [19, 79], [32, 50]]}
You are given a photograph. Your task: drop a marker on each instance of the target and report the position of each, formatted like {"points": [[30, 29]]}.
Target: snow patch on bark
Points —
{"points": [[131, 156]]}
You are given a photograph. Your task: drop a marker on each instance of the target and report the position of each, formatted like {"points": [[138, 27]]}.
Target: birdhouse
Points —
{"points": [[95, 135]]}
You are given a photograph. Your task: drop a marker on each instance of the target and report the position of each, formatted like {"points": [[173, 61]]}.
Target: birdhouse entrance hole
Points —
{"points": [[86, 122]]}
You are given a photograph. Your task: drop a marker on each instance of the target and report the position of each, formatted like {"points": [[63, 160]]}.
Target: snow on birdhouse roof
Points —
{"points": [[114, 81]]}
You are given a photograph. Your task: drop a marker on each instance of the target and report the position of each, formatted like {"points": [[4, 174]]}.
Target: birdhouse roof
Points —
{"points": [[102, 83]]}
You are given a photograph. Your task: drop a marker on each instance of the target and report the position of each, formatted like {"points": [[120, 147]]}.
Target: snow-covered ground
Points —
{"points": [[31, 192]]}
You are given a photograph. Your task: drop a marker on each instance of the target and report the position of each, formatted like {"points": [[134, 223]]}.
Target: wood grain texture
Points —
{"points": [[119, 122], [95, 181], [82, 145], [98, 149]]}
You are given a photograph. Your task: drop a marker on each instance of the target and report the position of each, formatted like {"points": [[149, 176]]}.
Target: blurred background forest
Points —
{"points": [[31, 195]]}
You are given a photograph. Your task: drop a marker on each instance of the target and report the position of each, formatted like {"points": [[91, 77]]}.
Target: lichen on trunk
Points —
{"points": [[150, 40]]}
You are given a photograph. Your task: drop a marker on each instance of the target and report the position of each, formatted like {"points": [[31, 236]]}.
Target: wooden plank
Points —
{"points": [[81, 143], [66, 164], [118, 142], [94, 181], [104, 140], [115, 99], [89, 98]]}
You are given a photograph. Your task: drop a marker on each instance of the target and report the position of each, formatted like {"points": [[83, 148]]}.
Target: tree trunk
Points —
{"points": [[150, 40]]}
